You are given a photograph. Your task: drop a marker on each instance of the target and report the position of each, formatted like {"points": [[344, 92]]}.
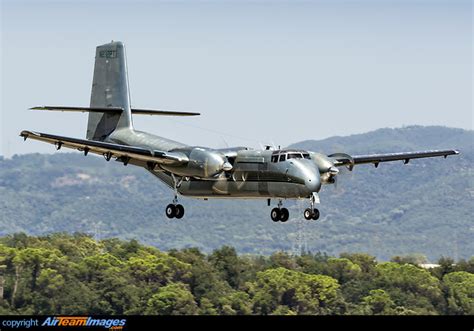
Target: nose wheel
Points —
{"points": [[311, 214]]}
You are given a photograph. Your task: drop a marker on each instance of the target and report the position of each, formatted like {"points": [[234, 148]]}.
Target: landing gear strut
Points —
{"points": [[311, 213], [175, 210], [280, 214]]}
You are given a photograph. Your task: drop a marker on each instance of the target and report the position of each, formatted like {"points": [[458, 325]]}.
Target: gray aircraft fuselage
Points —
{"points": [[253, 175]]}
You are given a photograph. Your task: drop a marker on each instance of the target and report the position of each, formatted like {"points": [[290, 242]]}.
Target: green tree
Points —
{"points": [[379, 302], [172, 299], [460, 292], [366, 262], [228, 264], [302, 293], [410, 286], [205, 281], [343, 269]]}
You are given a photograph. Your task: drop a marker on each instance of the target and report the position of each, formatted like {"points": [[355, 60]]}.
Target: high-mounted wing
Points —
{"points": [[350, 161], [135, 111], [108, 150]]}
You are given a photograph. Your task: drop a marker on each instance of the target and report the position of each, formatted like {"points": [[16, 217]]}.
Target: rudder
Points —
{"points": [[109, 89]]}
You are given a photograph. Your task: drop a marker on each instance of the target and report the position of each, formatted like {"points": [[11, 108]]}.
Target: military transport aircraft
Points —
{"points": [[195, 171]]}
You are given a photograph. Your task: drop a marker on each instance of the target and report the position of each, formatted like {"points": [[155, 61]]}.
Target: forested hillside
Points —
{"points": [[423, 207], [74, 274]]}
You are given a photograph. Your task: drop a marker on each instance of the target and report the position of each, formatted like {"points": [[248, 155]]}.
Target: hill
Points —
{"points": [[424, 207]]}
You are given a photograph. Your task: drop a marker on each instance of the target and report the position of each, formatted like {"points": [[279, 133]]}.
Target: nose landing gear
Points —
{"points": [[312, 213]]}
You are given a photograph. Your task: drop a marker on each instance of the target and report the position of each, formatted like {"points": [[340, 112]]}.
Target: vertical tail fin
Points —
{"points": [[109, 89]]}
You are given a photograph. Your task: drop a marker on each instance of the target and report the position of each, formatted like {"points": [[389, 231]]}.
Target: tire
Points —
{"points": [[308, 214], [315, 214], [179, 211], [170, 211], [284, 215], [275, 214]]}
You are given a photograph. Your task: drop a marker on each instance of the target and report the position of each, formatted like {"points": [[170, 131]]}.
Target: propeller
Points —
{"points": [[339, 159]]}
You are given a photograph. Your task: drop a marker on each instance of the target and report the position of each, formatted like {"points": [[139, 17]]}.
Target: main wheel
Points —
{"points": [[308, 214], [284, 215], [275, 214], [315, 214], [179, 211], [170, 211]]}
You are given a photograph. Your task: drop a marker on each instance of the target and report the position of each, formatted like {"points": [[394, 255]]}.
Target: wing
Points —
{"points": [[344, 159], [108, 150]]}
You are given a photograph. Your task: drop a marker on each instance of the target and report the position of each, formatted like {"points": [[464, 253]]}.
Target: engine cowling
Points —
{"points": [[203, 163], [327, 169]]}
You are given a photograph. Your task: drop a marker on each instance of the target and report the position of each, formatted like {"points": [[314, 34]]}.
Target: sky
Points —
{"points": [[260, 72]]}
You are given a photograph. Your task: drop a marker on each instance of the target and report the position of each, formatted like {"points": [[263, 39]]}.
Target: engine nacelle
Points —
{"points": [[203, 163], [326, 167]]}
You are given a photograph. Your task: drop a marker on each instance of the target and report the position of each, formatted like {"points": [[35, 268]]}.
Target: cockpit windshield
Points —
{"points": [[280, 156], [295, 156]]}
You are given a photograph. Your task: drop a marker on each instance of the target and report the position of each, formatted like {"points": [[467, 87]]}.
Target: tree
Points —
{"points": [[379, 302], [460, 292], [302, 293], [282, 259], [409, 285], [226, 261], [204, 280], [173, 299], [343, 269], [366, 262], [414, 258]]}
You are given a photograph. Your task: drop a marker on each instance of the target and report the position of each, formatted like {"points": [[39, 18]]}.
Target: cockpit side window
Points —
{"points": [[282, 157], [306, 156], [275, 158]]}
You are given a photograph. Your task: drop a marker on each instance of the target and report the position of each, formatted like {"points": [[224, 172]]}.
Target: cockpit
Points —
{"points": [[283, 155]]}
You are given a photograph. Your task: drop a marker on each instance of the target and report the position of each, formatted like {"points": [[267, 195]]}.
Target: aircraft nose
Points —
{"points": [[313, 183]]}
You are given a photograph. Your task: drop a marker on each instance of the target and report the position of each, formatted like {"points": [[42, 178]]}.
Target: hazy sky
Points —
{"points": [[259, 72]]}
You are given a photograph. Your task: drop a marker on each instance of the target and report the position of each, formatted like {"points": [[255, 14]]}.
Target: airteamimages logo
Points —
{"points": [[84, 321]]}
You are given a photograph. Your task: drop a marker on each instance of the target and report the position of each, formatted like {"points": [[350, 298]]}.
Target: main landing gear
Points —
{"points": [[175, 210], [280, 214], [311, 213]]}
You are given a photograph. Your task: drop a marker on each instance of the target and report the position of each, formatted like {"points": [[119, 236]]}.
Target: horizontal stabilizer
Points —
{"points": [[115, 110]]}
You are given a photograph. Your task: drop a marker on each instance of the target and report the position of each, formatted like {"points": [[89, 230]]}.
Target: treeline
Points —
{"points": [[74, 274]]}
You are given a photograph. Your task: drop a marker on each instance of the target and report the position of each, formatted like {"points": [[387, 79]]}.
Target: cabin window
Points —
{"points": [[282, 157]]}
